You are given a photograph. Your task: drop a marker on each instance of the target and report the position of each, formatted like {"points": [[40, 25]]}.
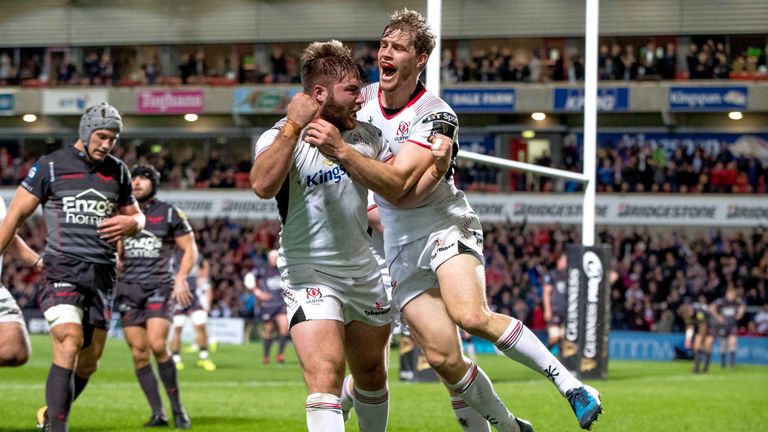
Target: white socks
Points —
{"points": [[372, 407], [477, 391], [522, 346], [469, 419], [324, 413]]}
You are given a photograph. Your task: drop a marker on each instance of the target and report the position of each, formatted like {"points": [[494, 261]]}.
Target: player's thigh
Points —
{"points": [[462, 285], [320, 348], [14, 341], [136, 338], [732, 339], [366, 347], [432, 327], [157, 333], [281, 320]]}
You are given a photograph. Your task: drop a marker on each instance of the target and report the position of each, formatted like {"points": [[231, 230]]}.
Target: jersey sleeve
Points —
{"points": [[179, 222], [442, 121], [38, 180], [125, 193], [371, 201], [267, 138]]}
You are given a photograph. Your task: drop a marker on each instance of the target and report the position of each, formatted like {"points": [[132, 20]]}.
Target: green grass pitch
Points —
{"points": [[244, 395]]}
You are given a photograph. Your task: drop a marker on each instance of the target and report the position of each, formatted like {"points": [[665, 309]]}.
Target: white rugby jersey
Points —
{"points": [[2, 216], [377, 237], [423, 116], [323, 211]]}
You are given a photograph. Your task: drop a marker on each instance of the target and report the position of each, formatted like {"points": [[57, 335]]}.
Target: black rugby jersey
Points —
{"points": [[78, 195], [147, 257], [559, 281]]}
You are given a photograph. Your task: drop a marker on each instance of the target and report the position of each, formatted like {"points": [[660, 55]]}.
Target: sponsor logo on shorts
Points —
{"points": [[63, 285], [379, 310], [314, 296]]}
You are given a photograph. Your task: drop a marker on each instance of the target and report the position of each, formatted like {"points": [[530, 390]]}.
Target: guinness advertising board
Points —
{"points": [[587, 317]]}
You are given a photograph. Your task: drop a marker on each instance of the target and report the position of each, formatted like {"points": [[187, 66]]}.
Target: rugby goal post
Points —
{"points": [[585, 347]]}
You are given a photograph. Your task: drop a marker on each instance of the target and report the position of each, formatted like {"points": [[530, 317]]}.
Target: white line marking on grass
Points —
{"points": [[191, 384]]}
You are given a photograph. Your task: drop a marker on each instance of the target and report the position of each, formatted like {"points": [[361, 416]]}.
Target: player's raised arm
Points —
{"points": [[275, 148], [392, 181], [23, 204], [442, 157]]}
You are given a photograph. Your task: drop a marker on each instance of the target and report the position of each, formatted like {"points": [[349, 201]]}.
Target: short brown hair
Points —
{"points": [[326, 63], [410, 21]]}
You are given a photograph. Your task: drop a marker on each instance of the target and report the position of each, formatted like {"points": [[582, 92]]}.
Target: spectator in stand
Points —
{"points": [[30, 70], [91, 67], [106, 70], [152, 70], [66, 72], [7, 71], [668, 64]]}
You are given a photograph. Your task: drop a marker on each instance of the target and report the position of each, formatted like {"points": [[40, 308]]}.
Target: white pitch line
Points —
{"points": [[225, 384]]}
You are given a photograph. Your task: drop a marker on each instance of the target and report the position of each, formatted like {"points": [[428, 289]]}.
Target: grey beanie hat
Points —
{"points": [[102, 116]]}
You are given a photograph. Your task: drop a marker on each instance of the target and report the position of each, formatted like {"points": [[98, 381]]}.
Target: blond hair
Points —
{"points": [[326, 63], [411, 22]]}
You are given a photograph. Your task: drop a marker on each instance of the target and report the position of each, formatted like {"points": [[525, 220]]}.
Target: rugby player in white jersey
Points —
{"points": [[442, 229], [337, 305], [14, 339]]}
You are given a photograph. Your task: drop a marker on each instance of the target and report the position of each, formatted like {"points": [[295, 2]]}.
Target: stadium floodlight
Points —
{"points": [[528, 134], [735, 115], [29, 118], [539, 116], [191, 117]]}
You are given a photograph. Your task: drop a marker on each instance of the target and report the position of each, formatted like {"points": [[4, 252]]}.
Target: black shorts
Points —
{"points": [[557, 319], [85, 285], [723, 330], [195, 305], [269, 312], [138, 303]]}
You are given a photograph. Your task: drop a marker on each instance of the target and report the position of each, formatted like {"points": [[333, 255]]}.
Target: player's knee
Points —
{"points": [[442, 361], [159, 348], [373, 377], [474, 322], [324, 375], [12, 355], [140, 353]]}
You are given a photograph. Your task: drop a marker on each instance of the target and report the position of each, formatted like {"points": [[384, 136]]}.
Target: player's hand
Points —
{"points": [[302, 109], [39, 265], [441, 152], [326, 137], [547, 316], [117, 227], [181, 294]]}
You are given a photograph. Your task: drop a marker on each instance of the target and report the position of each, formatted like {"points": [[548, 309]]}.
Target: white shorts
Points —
{"points": [[9, 310], [412, 266], [313, 295]]}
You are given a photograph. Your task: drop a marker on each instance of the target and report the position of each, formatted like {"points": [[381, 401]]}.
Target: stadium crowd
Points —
{"points": [[629, 164], [463, 61], [658, 271]]}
